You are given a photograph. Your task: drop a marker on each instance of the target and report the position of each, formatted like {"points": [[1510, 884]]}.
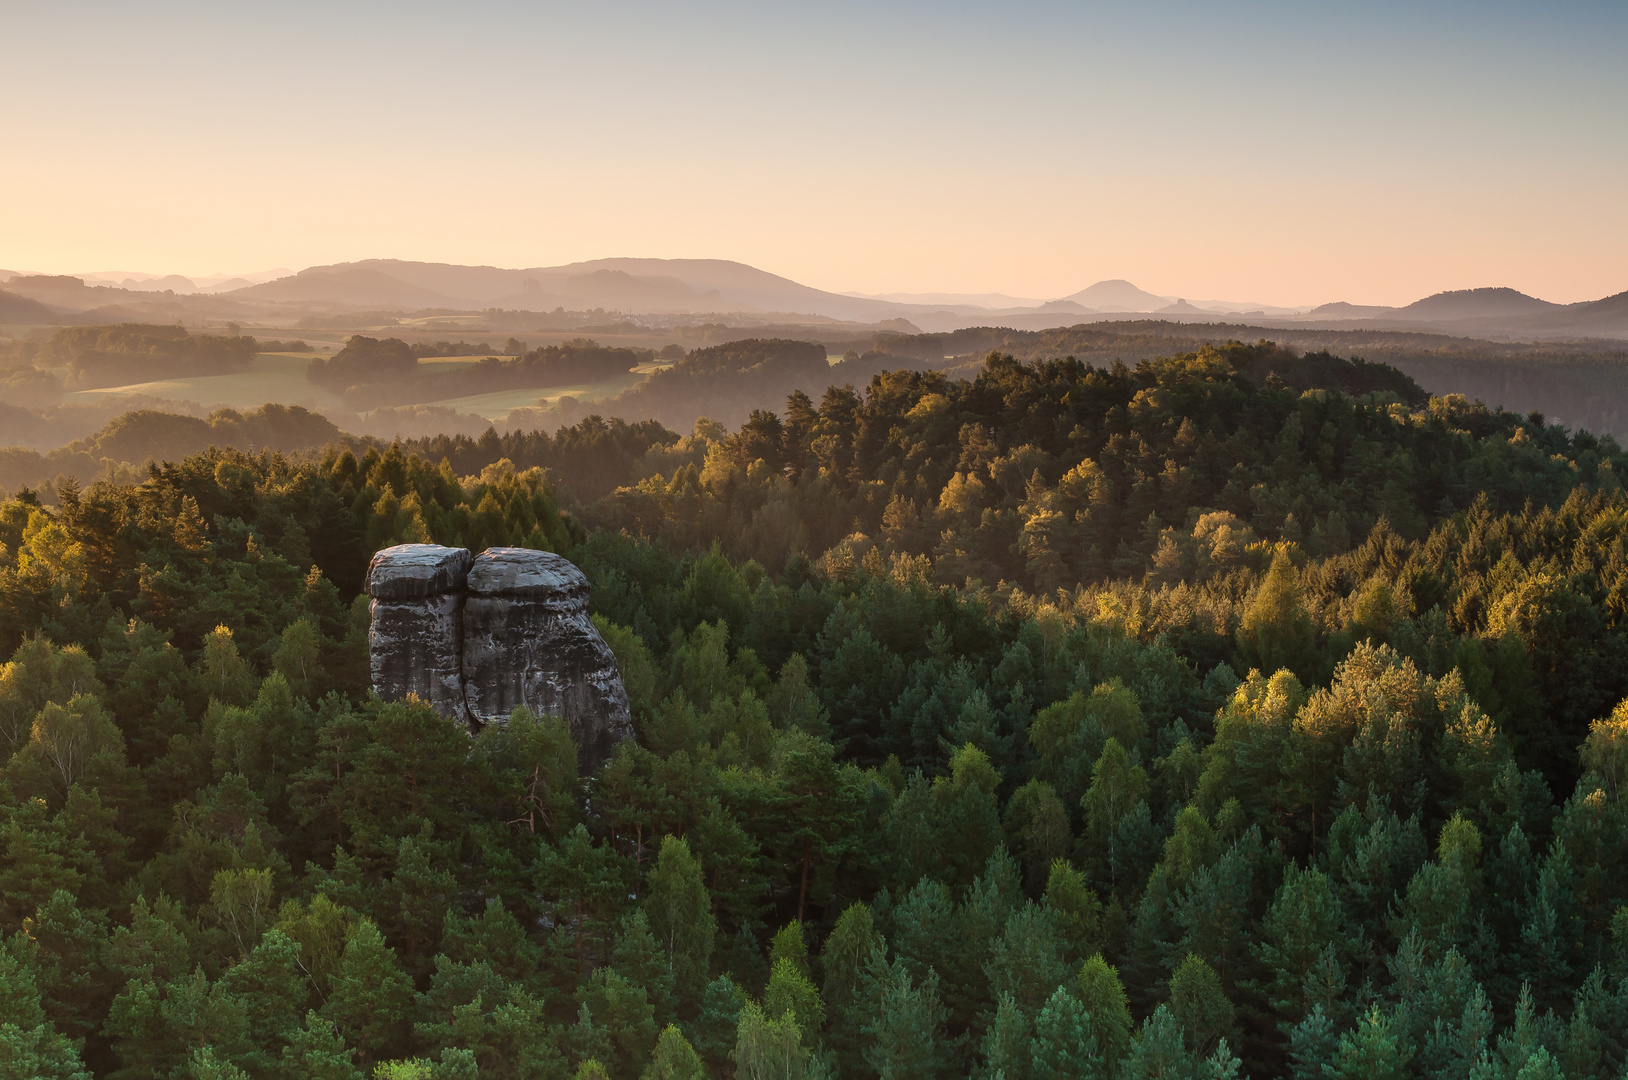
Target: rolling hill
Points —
{"points": [[657, 285], [16, 309], [1462, 304]]}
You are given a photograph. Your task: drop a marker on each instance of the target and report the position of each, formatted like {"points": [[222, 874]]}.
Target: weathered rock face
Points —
{"points": [[477, 637], [528, 641], [415, 644]]}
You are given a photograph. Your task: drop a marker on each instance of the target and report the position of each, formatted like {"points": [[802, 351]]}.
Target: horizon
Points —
{"points": [[213, 281], [1374, 157]]}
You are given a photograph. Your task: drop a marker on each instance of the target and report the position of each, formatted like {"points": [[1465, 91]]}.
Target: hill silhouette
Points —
{"points": [[1116, 295], [1475, 304], [16, 309]]}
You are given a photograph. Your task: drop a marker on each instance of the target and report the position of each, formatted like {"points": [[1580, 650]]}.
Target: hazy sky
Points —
{"points": [[1286, 153]]}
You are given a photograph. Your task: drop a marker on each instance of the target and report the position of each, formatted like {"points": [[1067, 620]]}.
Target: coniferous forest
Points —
{"points": [[1239, 714]]}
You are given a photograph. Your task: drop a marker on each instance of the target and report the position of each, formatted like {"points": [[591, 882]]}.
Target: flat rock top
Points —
{"points": [[410, 571], [524, 572]]}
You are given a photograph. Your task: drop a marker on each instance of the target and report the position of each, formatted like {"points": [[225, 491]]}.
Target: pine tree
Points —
{"points": [[1027, 961], [456, 1064], [317, 1052], [1550, 933], [370, 997], [640, 960], [30, 1046], [270, 981], [622, 1011], [206, 1066], [531, 767], [1372, 1052], [1312, 1045], [906, 1037], [496, 937], [586, 884], [1159, 1051], [714, 1029], [155, 1027], [1304, 919], [1540, 1066], [1275, 631], [1063, 1046], [1005, 1047]]}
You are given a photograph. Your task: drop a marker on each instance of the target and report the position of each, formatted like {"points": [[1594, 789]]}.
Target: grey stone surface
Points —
{"points": [[476, 637], [415, 640], [528, 641]]}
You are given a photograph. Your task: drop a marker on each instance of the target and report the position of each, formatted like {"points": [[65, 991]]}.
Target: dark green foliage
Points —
{"points": [[369, 373], [1314, 768]]}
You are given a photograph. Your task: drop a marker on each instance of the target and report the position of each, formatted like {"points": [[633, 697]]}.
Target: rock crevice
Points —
{"points": [[478, 636]]}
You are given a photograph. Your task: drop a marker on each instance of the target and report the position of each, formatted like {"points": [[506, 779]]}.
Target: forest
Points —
{"points": [[1238, 713]]}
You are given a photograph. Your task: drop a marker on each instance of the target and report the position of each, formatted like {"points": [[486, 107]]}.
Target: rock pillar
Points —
{"points": [[528, 640], [415, 642]]}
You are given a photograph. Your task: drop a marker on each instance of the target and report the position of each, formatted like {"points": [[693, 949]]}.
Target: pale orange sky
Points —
{"points": [[1253, 152]]}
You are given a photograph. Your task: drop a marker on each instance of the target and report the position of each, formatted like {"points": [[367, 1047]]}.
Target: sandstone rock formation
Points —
{"points": [[478, 637], [415, 643], [528, 641]]}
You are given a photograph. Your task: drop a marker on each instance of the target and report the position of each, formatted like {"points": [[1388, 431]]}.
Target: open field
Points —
{"points": [[496, 405], [278, 377]]}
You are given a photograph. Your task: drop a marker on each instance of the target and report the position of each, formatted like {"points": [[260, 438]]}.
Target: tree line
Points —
{"points": [[1318, 773], [369, 373]]}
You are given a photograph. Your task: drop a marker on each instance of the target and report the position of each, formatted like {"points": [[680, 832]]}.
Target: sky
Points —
{"points": [[1289, 153]]}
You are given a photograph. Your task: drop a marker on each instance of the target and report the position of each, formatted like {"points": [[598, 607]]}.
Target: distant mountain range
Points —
{"points": [[721, 288]]}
